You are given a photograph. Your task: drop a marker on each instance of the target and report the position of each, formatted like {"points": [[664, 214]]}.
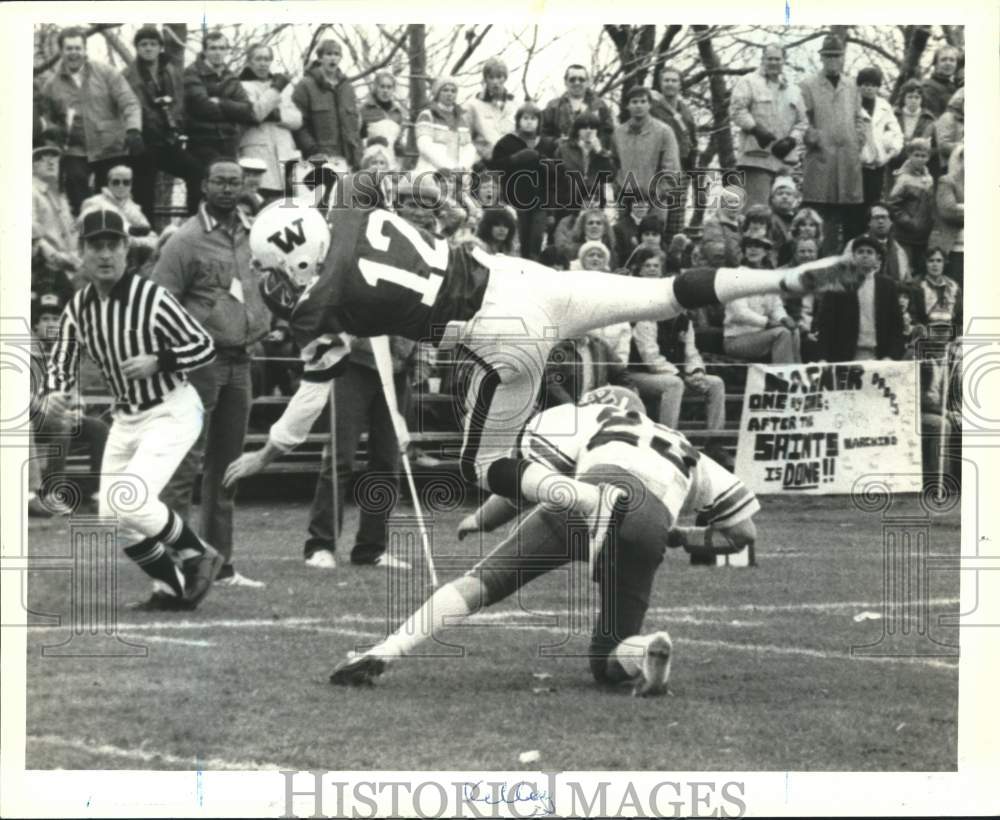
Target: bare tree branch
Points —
{"points": [[470, 49], [527, 62], [381, 63], [115, 43]]}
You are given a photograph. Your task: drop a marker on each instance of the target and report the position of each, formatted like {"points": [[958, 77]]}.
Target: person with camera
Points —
{"points": [[157, 83]]}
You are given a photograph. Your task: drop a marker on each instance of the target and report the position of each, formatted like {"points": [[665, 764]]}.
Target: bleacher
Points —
{"points": [[435, 422]]}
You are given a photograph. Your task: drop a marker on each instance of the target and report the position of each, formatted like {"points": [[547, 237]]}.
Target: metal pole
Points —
{"points": [[333, 463]]}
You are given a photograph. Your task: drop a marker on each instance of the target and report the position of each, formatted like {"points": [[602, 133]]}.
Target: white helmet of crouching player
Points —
{"points": [[287, 246], [616, 396]]}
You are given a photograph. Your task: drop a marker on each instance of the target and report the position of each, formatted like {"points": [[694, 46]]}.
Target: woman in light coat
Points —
{"points": [[271, 140], [883, 138], [444, 141]]}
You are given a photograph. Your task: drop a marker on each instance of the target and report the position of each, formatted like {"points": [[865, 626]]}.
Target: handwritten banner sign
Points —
{"points": [[814, 429]]}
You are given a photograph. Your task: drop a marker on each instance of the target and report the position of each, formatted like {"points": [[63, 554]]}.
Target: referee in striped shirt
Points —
{"points": [[143, 341]]}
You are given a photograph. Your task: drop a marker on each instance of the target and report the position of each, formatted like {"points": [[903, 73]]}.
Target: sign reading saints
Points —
{"points": [[815, 429]]}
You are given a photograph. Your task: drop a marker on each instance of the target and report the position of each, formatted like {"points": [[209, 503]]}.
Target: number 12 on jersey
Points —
{"points": [[434, 254]]}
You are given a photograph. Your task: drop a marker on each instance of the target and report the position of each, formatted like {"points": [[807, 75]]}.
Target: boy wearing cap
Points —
{"points": [[144, 342]]}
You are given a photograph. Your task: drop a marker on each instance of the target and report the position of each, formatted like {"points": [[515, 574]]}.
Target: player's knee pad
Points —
{"points": [[695, 288], [504, 476]]}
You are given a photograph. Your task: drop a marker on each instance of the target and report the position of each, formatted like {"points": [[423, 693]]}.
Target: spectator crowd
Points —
{"points": [[827, 165]]}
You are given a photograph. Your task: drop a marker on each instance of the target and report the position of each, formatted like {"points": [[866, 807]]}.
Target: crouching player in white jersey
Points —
{"points": [[607, 438]]}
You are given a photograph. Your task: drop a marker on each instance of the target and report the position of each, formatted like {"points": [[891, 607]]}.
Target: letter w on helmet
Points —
{"points": [[295, 235]]}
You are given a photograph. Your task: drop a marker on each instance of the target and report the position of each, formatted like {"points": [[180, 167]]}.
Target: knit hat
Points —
{"points": [[147, 32], [784, 182], [441, 82], [593, 245]]}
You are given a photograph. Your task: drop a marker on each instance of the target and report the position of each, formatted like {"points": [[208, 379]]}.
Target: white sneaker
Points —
{"points": [[322, 559], [601, 521], [386, 560], [655, 666], [237, 580]]}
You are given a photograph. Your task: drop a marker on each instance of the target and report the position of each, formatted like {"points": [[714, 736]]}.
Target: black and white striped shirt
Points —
{"points": [[137, 317]]}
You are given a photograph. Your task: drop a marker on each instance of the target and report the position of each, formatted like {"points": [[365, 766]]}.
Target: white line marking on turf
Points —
{"points": [[147, 756], [814, 653], [165, 639]]}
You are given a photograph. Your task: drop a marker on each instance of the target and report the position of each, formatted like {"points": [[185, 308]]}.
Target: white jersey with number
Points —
{"points": [[570, 439]]}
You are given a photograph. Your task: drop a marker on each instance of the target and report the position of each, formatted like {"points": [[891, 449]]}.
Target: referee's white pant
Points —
{"points": [[526, 310], [142, 453]]}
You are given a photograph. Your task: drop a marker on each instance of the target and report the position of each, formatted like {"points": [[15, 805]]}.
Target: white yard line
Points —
{"points": [[165, 639], [935, 663], [148, 756]]}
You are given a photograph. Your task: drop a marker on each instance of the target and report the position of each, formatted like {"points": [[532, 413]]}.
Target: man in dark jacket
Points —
{"points": [[158, 85], [520, 157], [561, 112], [215, 102], [331, 124], [862, 324]]}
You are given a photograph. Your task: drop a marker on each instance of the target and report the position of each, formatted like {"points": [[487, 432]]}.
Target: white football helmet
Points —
{"points": [[290, 239], [616, 396]]}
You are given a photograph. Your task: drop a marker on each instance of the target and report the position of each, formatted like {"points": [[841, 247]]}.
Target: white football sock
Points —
{"points": [[446, 603], [630, 652], [735, 283]]}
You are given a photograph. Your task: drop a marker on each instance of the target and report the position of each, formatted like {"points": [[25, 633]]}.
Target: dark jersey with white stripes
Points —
{"points": [[137, 317], [384, 276]]}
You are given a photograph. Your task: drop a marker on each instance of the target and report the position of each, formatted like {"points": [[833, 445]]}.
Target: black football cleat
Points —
{"points": [[358, 670], [160, 602], [199, 573]]}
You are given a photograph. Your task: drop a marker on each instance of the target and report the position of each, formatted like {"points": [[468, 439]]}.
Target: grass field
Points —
{"points": [[763, 675]]}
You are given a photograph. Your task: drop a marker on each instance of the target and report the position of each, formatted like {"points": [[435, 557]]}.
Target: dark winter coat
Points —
{"points": [[164, 81], [838, 323], [331, 123], [208, 120]]}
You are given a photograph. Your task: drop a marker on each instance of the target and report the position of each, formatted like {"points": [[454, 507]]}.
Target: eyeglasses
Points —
{"points": [[117, 182]]}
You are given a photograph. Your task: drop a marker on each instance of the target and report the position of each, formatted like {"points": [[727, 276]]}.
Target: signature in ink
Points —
{"points": [[520, 793]]}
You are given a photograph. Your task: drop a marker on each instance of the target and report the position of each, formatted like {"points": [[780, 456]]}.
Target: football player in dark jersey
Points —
{"points": [[364, 271], [606, 438]]}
